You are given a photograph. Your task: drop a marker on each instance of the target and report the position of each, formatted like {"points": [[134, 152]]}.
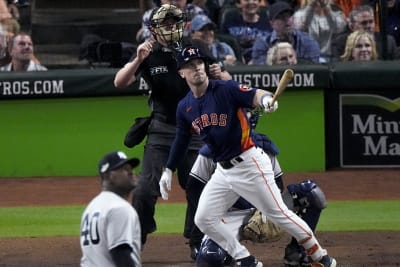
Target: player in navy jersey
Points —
{"points": [[215, 110], [305, 198]]}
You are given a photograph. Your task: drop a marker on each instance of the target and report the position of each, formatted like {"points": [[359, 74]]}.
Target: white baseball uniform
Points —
{"points": [[251, 177], [107, 222], [204, 167]]}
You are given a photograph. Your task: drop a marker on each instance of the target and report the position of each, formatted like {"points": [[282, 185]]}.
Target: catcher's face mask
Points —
{"points": [[167, 24]]}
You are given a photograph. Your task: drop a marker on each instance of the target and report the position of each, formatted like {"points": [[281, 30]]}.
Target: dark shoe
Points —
{"points": [[194, 250], [228, 261], [295, 256], [249, 261], [326, 261]]}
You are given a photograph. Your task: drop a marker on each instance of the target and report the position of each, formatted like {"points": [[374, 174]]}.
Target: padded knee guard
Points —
{"points": [[307, 194], [307, 200]]}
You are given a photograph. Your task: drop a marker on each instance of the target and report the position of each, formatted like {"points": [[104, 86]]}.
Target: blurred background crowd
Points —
{"points": [[237, 32]]}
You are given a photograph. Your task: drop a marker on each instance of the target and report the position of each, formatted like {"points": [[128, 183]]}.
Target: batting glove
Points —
{"points": [[165, 183], [266, 101]]}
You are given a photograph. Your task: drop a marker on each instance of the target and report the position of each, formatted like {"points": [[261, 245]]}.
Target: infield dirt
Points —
{"points": [[351, 249]]}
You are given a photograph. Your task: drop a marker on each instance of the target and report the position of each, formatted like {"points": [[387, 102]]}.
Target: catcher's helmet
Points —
{"points": [[189, 53], [168, 22]]}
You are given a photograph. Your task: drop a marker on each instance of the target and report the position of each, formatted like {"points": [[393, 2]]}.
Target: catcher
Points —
{"points": [[306, 199]]}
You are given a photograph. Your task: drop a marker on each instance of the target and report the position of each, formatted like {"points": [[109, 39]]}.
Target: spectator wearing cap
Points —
{"points": [[281, 15], [201, 27]]}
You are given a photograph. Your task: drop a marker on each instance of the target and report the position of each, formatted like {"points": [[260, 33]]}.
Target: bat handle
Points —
{"points": [[274, 99]]}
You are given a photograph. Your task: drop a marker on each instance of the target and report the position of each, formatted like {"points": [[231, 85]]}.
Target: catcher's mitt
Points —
{"points": [[260, 230]]}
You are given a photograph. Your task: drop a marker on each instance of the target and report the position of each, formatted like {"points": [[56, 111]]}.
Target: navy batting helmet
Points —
{"points": [[212, 255], [189, 53]]}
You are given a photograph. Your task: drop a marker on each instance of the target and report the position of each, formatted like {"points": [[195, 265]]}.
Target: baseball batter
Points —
{"points": [[214, 110], [236, 218], [305, 198], [110, 228], [210, 254]]}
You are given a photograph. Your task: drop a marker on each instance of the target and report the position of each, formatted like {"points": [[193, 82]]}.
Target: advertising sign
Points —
{"points": [[369, 130]]}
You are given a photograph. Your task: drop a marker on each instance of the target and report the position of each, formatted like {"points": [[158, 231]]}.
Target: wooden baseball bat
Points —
{"points": [[283, 82]]}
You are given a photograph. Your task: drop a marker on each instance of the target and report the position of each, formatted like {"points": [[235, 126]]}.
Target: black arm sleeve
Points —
{"points": [[178, 149], [121, 256]]}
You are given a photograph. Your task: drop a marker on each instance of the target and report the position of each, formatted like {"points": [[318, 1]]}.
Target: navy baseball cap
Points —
{"points": [[189, 53], [199, 21], [278, 8], [114, 160]]}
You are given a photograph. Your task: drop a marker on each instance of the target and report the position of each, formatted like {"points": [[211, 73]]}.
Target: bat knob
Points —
{"points": [[289, 73]]}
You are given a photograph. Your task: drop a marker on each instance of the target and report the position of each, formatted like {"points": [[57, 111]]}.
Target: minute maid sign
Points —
{"points": [[369, 131]]}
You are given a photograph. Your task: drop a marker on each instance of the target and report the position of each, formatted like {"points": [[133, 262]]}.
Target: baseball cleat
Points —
{"points": [[249, 261], [326, 261], [194, 250], [295, 256]]}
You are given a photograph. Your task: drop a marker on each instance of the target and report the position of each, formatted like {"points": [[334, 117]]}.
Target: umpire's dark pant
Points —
{"points": [[146, 193]]}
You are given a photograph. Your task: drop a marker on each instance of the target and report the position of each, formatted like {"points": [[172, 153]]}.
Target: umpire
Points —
{"points": [[155, 61]]}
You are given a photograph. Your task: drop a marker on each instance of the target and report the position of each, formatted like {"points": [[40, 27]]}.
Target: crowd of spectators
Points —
{"points": [[241, 32], [319, 31]]}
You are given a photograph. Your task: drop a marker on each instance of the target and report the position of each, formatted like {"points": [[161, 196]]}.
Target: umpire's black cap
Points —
{"points": [[114, 160], [189, 53]]}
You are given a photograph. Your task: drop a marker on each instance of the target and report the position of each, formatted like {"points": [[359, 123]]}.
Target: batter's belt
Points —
{"points": [[227, 164]]}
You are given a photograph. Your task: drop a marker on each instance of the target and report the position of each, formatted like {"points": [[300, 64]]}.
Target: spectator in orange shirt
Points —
{"points": [[347, 5]]}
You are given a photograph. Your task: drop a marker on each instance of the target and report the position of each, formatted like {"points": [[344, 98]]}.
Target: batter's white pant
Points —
{"points": [[234, 220], [253, 179]]}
